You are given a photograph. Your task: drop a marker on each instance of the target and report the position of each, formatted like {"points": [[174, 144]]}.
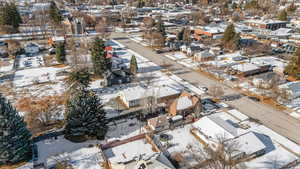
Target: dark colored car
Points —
{"points": [[163, 50], [254, 98], [231, 97]]}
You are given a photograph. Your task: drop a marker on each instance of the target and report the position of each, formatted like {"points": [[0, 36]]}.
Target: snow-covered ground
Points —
{"points": [[122, 129], [32, 76], [51, 148], [83, 158]]}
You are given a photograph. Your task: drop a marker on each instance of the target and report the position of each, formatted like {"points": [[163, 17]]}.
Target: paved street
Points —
{"points": [[270, 117]]}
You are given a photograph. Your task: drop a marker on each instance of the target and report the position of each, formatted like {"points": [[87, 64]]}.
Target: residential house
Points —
{"points": [[266, 80], [117, 77], [266, 24], [291, 89], [210, 31], [282, 33], [210, 129], [158, 123], [138, 152], [248, 145], [135, 97], [248, 69], [184, 105], [191, 50], [203, 56]]}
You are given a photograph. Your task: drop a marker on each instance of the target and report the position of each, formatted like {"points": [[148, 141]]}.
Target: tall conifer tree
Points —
{"points": [[85, 117], [15, 142], [99, 57]]}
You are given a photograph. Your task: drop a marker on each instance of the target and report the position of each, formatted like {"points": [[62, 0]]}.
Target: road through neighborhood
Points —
{"points": [[278, 121]]}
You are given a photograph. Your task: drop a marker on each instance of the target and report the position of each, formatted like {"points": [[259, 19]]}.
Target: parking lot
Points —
{"points": [[25, 61]]}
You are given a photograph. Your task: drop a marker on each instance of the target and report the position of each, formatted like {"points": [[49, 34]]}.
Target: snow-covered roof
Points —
{"points": [[184, 103], [213, 127], [230, 56], [267, 21], [269, 60], [245, 67], [282, 32], [293, 87], [238, 114], [129, 151], [58, 38], [249, 143], [138, 92]]}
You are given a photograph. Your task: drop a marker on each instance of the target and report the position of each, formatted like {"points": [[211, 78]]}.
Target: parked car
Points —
{"points": [[231, 97], [254, 98], [204, 89], [52, 51], [163, 50], [2, 43]]}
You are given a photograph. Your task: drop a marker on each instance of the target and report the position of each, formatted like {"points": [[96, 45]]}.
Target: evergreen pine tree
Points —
{"points": [[85, 117], [15, 143], [133, 65], [54, 13], [180, 35], [283, 16], [79, 79], [236, 41], [231, 39], [229, 33], [160, 26], [293, 68], [9, 15], [61, 53], [100, 62], [187, 35], [140, 4]]}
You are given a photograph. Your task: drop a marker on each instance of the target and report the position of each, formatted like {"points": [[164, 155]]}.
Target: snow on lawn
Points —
{"points": [[275, 159], [123, 129], [52, 147], [36, 75], [40, 90], [183, 142], [83, 158]]}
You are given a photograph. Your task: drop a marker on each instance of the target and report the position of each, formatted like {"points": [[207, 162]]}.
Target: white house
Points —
{"points": [[292, 89]]}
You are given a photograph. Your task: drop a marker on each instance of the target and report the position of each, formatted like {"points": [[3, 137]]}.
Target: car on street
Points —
{"points": [[254, 98]]}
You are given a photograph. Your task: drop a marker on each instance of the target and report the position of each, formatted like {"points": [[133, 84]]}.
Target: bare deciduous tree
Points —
{"points": [[216, 91], [41, 112], [103, 27]]}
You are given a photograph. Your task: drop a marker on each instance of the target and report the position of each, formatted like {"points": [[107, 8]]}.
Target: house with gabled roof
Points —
{"points": [[183, 105]]}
